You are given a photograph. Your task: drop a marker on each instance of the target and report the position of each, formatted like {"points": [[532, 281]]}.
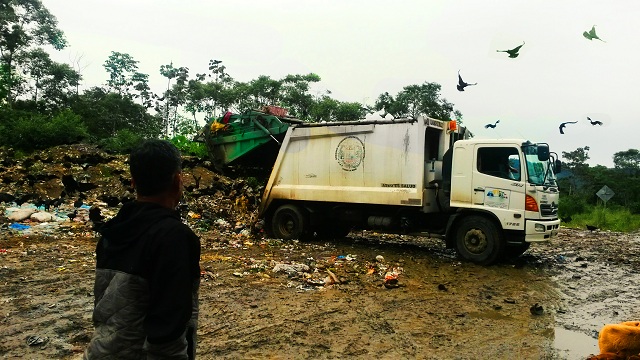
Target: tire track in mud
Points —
{"points": [[45, 293]]}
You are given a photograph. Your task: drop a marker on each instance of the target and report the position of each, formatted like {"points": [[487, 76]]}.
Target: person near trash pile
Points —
{"points": [[147, 267]]}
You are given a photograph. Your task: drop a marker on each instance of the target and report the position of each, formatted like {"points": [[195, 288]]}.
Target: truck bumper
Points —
{"points": [[539, 231]]}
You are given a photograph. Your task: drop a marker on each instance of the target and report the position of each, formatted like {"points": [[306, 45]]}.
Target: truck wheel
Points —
{"points": [[478, 240], [289, 222]]}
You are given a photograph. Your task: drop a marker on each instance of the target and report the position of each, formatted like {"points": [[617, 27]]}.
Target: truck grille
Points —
{"points": [[548, 209]]}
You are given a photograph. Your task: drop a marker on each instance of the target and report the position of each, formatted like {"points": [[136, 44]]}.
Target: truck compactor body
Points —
{"points": [[488, 199]]}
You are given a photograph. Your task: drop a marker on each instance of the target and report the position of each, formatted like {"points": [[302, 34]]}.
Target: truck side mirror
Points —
{"points": [[543, 152], [558, 166]]}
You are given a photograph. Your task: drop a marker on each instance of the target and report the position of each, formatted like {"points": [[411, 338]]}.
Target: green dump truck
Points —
{"points": [[252, 138]]}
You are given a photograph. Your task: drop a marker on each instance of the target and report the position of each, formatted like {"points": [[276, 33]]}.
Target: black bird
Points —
{"points": [[493, 126], [73, 214], [513, 53], [566, 219], [78, 203], [594, 122], [536, 309], [565, 124], [96, 217], [461, 84], [592, 228]]}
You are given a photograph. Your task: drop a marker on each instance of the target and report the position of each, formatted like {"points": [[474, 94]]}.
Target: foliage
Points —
{"points": [[188, 147], [107, 113], [23, 25], [30, 131], [417, 100], [123, 142], [614, 218]]}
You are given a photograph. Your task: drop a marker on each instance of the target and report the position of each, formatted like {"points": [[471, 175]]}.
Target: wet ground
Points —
{"points": [[264, 298]]}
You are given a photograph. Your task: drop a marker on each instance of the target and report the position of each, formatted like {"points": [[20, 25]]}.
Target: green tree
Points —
{"points": [[121, 68], [628, 161], [107, 113], [23, 24], [417, 100], [295, 94]]}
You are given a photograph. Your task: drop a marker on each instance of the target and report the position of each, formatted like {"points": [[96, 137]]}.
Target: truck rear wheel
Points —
{"points": [[478, 240], [289, 222]]}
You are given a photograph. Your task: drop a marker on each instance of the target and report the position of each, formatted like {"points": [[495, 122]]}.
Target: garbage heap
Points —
{"points": [[64, 183]]}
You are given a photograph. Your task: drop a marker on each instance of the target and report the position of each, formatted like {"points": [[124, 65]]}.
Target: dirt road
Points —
{"points": [[264, 298]]}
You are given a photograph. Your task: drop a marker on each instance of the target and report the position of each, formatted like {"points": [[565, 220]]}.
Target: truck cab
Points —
{"points": [[509, 184]]}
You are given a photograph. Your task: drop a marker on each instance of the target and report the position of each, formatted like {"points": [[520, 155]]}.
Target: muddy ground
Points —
{"points": [[269, 299]]}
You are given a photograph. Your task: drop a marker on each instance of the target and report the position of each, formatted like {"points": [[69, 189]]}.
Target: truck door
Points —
{"points": [[498, 184]]}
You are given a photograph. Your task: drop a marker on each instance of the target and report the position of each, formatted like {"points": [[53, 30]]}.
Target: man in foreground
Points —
{"points": [[147, 267]]}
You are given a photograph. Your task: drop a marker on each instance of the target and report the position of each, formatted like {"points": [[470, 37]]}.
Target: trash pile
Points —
{"points": [[55, 189]]}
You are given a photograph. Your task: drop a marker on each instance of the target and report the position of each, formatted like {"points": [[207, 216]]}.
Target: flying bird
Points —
{"points": [[594, 122], [513, 53], [591, 34], [461, 84], [565, 124], [493, 126]]}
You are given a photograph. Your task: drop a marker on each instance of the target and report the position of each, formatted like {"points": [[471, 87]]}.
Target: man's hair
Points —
{"points": [[153, 165]]}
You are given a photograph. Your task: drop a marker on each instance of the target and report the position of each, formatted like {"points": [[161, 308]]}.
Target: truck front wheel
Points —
{"points": [[478, 240], [289, 222]]}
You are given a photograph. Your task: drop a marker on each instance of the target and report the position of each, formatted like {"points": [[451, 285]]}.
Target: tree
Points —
{"points": [[628, 161], [107, 113], [577, 159], [121, 68], [295, 94], [417, 100], [23, 24]]}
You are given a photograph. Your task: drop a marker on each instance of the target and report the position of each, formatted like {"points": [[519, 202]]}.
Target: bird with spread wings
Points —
{"points": [[591, 34], [461, 84], [513, 53], [562, 126]]}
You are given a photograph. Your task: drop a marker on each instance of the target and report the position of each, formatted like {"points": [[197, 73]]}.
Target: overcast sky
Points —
{"points": [[362, 48]]}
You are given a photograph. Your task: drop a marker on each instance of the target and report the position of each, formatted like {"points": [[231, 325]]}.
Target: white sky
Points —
{"points": [[362, 48]]}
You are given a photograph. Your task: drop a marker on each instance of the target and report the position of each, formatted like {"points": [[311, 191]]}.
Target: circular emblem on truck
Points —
{"points": [[350, 153]]}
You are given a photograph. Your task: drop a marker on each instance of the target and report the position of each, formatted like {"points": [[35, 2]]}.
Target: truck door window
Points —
{"points": [[502, 162]]}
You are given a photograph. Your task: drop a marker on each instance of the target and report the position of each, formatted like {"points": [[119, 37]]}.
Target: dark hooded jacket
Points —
{"points": [[146, 287]]}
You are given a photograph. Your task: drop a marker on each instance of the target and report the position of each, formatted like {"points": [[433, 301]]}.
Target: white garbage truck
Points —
{"points": [[488, 199]]}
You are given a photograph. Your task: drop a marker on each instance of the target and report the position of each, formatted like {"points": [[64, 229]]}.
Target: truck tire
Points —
{"points": [[289, 222], [478, 240]]}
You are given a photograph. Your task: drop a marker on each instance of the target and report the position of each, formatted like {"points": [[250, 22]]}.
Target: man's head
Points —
{"points": [[155, 167]]}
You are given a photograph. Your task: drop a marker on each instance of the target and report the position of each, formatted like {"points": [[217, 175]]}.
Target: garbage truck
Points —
{"points": [[489, 199]]}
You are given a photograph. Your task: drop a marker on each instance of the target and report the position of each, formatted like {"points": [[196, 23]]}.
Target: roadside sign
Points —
{"points": [[605, 194]]}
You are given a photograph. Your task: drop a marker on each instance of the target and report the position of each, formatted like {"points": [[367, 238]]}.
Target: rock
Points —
{"points": [[380, 258]]}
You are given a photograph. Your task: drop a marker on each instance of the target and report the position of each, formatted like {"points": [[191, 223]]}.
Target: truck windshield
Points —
{"points": [[539, 172]]}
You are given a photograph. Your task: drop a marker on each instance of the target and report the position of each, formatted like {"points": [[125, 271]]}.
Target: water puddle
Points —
{"points": [[573, 345]]}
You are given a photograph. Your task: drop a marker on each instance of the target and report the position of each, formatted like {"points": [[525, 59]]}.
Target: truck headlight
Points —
{"points": [[539, 227]]}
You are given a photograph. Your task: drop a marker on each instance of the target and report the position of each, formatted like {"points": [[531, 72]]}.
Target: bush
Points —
{"points": [[30, 131], [571, 204], [124, 141], [188, 147]]}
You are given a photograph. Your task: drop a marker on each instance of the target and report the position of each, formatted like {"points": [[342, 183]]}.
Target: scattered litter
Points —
{"points": [[34, 340], [19, 227], [290, 269]]}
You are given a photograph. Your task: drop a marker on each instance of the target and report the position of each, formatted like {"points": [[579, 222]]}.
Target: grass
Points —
{"points": [[614, 219]]}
